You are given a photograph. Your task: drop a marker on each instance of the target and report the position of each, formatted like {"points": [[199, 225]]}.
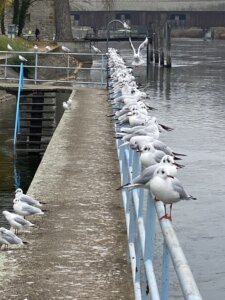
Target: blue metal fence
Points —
{"points": [[141, 212], [17, 119]]}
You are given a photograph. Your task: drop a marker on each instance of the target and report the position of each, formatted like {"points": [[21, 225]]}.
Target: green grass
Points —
{"points": [[18, 44]]}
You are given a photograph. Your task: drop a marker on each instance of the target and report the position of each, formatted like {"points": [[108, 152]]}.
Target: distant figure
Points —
{"points": [[37, 34], [29, 34]]}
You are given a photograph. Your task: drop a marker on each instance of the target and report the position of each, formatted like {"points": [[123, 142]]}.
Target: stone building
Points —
{"points": [[96, 14], [142, 12]]}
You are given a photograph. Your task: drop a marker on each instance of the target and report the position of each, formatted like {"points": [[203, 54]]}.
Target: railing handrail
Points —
{"points": [[17, 119], [68, 68], [140, 212]]}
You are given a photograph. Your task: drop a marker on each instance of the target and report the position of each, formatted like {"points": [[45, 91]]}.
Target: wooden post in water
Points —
{"points": [[151, 54], [149, 46], [149, 49], [168, 45], [156, 46], [161, 45]]}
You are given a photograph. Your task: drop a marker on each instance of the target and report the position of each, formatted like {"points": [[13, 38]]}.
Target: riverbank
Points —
{"points": [[196, 32]]}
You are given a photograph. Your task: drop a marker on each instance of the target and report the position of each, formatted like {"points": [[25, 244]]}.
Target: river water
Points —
{"points": [[16, 171], [190, 98]]}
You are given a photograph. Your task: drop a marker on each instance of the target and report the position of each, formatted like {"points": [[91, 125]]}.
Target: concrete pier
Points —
{"points": [[79, 248]]}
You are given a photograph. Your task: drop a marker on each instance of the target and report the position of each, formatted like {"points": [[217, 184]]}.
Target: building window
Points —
{"points": [[178, 20], [76, 19]]}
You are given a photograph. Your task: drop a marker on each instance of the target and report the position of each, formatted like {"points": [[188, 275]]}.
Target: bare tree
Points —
{"points": [[63, 21]]}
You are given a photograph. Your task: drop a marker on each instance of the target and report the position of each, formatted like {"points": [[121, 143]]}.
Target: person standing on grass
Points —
{"points": [[37, 34]]}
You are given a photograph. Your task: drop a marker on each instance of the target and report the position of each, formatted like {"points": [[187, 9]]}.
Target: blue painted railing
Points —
{"points": [[141, 212], [17, 119]]}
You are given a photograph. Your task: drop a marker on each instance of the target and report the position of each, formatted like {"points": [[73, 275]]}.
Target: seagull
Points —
{"points": [[22, 58], [25, 198], [69, 102], [95, 49], [168, 189], [16, 221], [125, 25], [48, 48], [66, 105], [65, 49], [9, 48], [7, 238], [24, 209], [150, 156], [35, 48], [143, 180], [137, 60]]}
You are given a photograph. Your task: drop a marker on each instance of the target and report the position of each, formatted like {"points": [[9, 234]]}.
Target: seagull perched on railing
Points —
{"points": [[65, 49], [138, 60], [22, 58], [168, 189], [9, 48]]}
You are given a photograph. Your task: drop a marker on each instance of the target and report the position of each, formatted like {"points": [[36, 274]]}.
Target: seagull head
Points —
{"points": [[19, 190]]}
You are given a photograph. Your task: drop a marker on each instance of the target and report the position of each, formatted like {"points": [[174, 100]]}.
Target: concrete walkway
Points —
{"points": [[79, 250]]}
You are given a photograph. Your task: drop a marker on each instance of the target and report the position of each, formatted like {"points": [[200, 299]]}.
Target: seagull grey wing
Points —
{"points": [[21, 221], [158, 156], [132, 46], [30, 209], [159, 145], [11, 238], [178, 187], [146, 175], [27, 199], [141, 46]]}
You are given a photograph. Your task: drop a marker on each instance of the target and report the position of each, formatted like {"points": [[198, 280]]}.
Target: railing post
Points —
{"points": [[102, 68], [36, 68], [6, 62], [68, 66], [17, 119], [165, 273]]}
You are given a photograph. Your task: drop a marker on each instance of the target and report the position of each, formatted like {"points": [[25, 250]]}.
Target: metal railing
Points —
{"points": [[17, 119], [141, 212], [55, 67]]}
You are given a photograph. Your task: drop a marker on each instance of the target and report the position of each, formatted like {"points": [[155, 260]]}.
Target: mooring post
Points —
{"points": [[168, 45], [161, 45], [156, 46], [150, 45]]}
